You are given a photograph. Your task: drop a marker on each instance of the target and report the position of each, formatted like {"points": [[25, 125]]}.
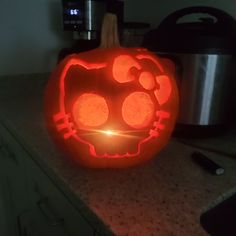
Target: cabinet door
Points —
{"points": [[38, 206], [14, 168], [16, 217], [33, 223], [54, 204], [13, 194], [8, 223]]}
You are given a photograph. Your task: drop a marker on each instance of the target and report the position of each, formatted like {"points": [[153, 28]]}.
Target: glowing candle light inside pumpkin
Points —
{"points": [[109, 132]]}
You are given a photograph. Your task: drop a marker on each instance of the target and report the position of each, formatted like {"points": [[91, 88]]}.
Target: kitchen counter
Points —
{"points": [[163, 197]]}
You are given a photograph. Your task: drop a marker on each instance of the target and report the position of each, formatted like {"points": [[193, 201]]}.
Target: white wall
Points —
{"points": [[31, 32], [30, 35]]}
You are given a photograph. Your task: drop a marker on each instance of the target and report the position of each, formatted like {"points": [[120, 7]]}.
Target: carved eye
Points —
{"points": [[90, 110], [138, 110]]}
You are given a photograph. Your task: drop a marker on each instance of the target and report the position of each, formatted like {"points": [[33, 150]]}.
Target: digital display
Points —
{"points": [[74, 12], [73, 9], [73, 15]]}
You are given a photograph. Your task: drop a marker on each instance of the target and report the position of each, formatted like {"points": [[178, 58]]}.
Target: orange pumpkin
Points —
{"points": [[111, 107]]}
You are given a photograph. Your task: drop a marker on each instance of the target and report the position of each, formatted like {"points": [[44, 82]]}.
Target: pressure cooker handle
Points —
{"points": [[222, 17]]}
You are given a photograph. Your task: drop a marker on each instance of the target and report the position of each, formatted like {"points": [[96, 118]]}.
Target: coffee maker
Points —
{"points": [[85, 16], [84, 19]]}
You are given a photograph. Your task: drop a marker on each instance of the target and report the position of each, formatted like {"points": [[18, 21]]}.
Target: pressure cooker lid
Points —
{"points": [[214, 33]]}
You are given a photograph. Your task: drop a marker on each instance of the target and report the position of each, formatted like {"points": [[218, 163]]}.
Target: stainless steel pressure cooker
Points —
{"points": [[202, 49]]}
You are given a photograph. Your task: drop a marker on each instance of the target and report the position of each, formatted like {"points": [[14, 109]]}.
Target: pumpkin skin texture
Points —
{"points": [[111, 107]]}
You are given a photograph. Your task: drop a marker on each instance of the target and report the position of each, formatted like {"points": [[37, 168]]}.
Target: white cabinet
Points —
{"points": [[13, 185], [8, 215], [30, 201], [53, 205]]}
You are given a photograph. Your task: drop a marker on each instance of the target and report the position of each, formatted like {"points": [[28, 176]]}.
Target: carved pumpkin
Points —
{"points": [[111, 107]]}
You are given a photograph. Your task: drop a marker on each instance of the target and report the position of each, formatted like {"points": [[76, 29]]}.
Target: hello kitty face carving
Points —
{"points": [[113, 106]]}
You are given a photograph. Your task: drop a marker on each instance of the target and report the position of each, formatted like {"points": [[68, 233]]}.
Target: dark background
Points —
{"points": [[31, 32]]}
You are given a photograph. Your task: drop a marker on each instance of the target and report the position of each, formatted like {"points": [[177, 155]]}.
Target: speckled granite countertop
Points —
{"points": [[163, 197]]}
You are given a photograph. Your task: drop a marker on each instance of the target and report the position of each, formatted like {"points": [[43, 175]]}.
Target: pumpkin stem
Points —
{"points": [[109, 32]]}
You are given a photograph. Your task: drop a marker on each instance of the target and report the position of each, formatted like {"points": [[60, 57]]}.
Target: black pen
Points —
{"points": [[207, 163]]}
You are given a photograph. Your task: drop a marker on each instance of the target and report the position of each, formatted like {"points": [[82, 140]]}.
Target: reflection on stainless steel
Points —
{"points": [[94, 11], [203, 88], [89, 15], [208, 87]]}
